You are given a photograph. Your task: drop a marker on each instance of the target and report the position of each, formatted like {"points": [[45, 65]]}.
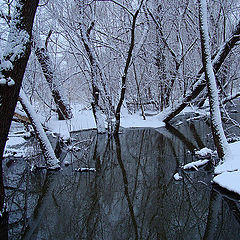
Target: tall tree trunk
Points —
{"points": [[218, 59], [45, 145], [215, 115], [125, 72], [41, 52], [95, 81], [16, 57], [95, 70]]}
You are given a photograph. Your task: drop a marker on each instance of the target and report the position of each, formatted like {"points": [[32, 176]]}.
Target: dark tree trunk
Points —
{"points": [[124, 76], [63, 109], [95, 81], [22, 22]]}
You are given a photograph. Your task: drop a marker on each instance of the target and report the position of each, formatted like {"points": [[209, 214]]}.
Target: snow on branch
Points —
{"points": [[195, 165], [18, 38]]}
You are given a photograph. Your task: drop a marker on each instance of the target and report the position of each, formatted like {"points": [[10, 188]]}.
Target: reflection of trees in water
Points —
{"points": [[4, 214], [131, 196]]}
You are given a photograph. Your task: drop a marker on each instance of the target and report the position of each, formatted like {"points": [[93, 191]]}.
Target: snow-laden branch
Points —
{"points": [[200, 84]]}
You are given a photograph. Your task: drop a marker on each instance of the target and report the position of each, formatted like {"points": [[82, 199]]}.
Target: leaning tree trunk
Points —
{"points": [[218, 59], [45, 145], [41, 52], [215, 115], [13, 65]]}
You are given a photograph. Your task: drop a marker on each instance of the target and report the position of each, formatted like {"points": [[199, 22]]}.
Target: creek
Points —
{"points": [[131, 195]]}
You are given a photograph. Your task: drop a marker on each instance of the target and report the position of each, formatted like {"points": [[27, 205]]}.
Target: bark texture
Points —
{"points": [[125, 72], [21, 23]]}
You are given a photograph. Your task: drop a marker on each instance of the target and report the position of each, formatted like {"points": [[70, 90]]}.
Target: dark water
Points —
{"points": [[132, 195]]}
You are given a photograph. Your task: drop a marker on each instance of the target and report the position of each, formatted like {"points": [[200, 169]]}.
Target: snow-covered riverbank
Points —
{"points": [[229, 172]]}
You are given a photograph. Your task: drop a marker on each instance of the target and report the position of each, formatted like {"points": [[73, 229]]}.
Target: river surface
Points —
{"points": [[132, 194]]}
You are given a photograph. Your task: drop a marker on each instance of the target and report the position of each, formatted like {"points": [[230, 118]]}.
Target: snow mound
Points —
{"points": [[233, 163], [229, 180], [229, 171]]}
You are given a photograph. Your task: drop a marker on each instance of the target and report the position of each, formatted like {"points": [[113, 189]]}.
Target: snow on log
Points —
{"points": [[85, 170], [204, 153], [229, 180], [195, 165], [46, 147]]}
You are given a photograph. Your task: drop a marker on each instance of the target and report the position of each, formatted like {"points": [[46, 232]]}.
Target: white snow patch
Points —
{"points": [[229, 180], [233, 163], [177, 177], [13, 141], [82, 120], [229, 171], [6, 65], [136, 120], [10, 82], [195, 164], [3, 81], [85, 169], [204, 153]]}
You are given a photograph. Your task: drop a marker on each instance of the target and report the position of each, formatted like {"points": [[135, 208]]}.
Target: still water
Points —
{"points": [[132, 194]]}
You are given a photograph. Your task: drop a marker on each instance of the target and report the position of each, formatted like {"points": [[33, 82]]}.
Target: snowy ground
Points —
{"points": [[229, 171], [83, 119]]}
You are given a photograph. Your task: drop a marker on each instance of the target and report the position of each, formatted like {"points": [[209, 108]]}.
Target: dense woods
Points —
{"points": [[152, 57]]}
